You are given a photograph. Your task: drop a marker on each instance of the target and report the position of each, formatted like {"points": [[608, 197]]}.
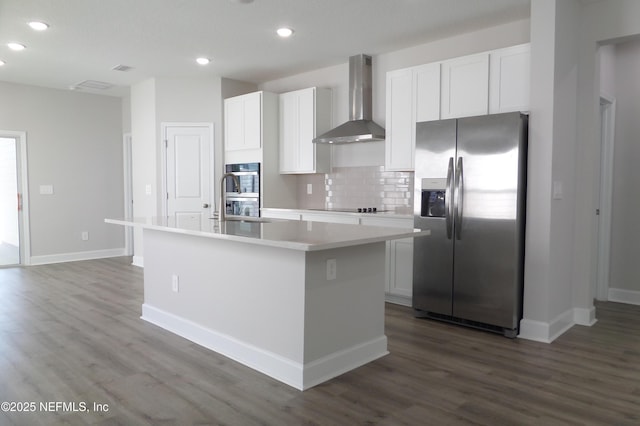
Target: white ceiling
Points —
{"points": [[162, 38]]}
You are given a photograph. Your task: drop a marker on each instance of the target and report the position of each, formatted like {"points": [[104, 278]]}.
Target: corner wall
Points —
{"points": [[602, 22], [163, 100], [74, 143]]}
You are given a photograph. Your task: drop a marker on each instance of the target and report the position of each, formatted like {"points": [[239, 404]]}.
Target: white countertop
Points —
{"points": [[383, 214], [290, 234]]}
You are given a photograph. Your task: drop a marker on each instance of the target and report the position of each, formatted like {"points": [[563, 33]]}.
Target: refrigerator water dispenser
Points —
{"points": [[433, 198]]}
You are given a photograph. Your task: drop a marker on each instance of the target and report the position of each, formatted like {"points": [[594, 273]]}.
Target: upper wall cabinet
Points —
{"points": [[486, 83], [413, 95], [251, 136], [465, 86], [243, 122], [303, 115], [509, 79]]}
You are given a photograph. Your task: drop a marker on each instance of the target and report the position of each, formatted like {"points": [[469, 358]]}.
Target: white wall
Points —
{"points": [[337, 78], [163, 100], [625, 230], [603, 22], [75, 144]]}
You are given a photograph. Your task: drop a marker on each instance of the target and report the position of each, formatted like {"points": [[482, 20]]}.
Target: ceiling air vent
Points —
{"points": [[123, 68], [93, 85]]}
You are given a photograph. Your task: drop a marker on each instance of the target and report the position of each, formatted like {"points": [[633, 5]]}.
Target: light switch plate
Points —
{"points": [[309, 189], [46, 189], [557, 190]]}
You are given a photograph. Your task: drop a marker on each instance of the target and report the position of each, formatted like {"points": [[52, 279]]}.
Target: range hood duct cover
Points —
{"points": [[360, 127]]}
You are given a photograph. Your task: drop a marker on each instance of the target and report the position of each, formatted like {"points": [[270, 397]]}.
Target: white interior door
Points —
{"points": [[189, 173]]}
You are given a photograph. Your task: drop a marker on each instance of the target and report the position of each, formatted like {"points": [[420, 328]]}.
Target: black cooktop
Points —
{"points": [[353, 210]]}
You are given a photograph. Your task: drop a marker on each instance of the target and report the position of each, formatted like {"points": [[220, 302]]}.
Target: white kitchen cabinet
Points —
{"points": [[413, 95], [243, 122], [303, 115], [399, 268], [465, 86], [509, 84], [251, 136]]}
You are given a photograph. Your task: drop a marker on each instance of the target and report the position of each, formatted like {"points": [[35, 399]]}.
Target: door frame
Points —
{"points": [[23, 190], [127, 157], [164, 208], [607, 141]]}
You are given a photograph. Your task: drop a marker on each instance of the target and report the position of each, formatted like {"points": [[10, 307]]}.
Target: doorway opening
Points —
{"points": [[128, 191], [603, 222], [13, 199], [10, 202]]}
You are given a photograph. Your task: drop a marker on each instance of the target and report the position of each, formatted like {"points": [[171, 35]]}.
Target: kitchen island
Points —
{"points": [[300, 301]]}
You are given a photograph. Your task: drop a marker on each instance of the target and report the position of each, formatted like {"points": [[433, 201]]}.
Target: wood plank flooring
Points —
{"points": [[71, 333]]}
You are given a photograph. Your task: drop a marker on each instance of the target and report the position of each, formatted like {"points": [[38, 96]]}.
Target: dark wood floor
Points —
{"points": [[71, 333]]}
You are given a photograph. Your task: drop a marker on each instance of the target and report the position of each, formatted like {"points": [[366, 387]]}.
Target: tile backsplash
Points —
{"points": [[352, 187]]}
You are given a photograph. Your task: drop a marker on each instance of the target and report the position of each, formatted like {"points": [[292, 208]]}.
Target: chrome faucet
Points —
{"points": [[223, 204]]}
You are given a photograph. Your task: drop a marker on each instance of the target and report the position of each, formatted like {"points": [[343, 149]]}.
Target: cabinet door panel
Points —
{"points": [[509, 85], [233, 124], [465, 86], [252, 121], [288, 132], [426, 80], [399, 121], [401, 282], [306, 130]]}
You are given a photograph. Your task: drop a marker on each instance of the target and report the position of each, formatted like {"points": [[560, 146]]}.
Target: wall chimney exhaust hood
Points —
{"points": [[360, 127]]}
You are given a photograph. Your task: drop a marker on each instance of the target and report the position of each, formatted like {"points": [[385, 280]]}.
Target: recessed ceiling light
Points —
{"points": [[284, 32], [16, 46], [1, 62], [38, 26], [203, 61]]}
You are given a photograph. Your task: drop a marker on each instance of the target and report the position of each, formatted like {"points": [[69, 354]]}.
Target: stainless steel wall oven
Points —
{"points": [[247, 201]]}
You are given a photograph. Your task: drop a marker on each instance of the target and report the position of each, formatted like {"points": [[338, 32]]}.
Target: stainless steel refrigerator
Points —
{"points": [[470, 190]]}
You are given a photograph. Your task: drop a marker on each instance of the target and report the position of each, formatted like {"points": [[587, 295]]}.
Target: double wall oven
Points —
{"points": [[247, 201]]}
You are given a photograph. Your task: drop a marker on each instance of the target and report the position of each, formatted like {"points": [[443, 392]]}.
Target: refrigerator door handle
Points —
{"points": [[459, 197], [448, 200]]}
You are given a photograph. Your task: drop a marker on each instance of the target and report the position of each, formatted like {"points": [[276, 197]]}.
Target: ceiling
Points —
{"points": [[162, 38]]}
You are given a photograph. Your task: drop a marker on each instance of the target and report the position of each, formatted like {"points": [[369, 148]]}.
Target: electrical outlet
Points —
{"points": [[175, 283], [309, 189], [331, 269], [85, 236]]}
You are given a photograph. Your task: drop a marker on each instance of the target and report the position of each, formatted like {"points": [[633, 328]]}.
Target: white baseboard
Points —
{"points": [[337, 363], [138, 261], [546, 332], [398, 300], [73, 257], [624, 296], [585, 316], [290, 372]]}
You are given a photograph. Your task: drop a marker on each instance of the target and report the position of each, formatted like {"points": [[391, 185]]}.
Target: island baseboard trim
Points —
{"points": [[335, 364], [292, 373], [273, 365]]}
